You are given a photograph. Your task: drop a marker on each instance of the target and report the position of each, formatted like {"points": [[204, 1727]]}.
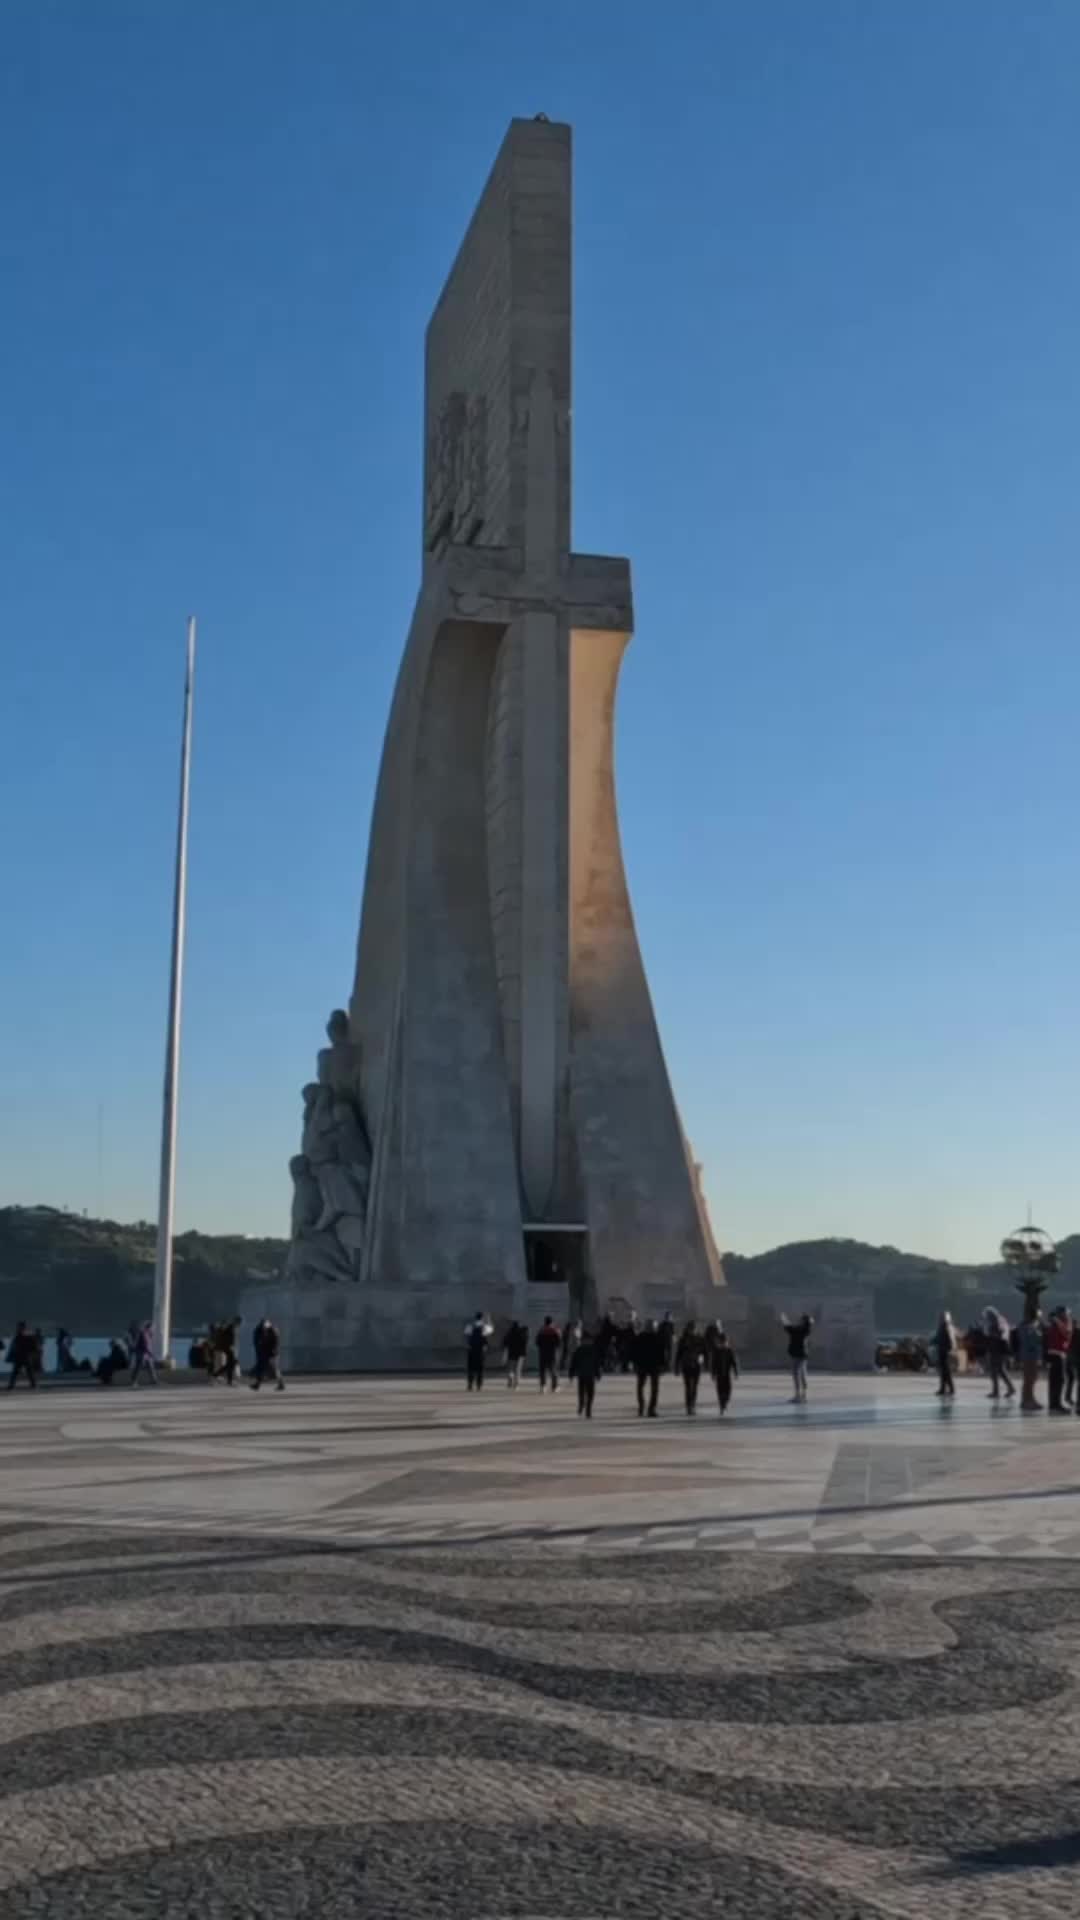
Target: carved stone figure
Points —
{"points": [[317, 1140], [339, 1063], [341, 1194], [319, 1254], [307, 1202], [313, 1253], [332, 1174], [350, 1137]]}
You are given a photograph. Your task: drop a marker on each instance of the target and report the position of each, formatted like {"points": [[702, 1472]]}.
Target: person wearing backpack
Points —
{"points": [[477, 1334]]}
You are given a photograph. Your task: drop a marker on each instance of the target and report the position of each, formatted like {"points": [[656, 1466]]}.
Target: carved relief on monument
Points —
{"points": [[332, 1173], [456, 471]]}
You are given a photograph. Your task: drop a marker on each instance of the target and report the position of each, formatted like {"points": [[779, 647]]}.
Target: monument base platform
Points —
{"points": [[330, 1327]]}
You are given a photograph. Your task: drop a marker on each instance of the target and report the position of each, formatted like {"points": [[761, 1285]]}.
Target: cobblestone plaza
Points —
{"points": [[385, 1648]]}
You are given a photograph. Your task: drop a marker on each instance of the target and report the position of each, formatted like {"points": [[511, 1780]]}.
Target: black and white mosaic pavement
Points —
{"points": [[379, 1649], [233, 1728]]}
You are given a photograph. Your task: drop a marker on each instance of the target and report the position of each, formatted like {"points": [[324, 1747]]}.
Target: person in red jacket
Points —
{"points": [[1058, 1339], [548, 1342]]}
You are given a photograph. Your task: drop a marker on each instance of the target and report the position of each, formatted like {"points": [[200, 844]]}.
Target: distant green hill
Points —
{"points": [[909, 1290], [94, 1276]]}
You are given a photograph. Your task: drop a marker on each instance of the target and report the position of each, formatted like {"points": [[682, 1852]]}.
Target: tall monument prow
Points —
{"points": [[524, 1148]]}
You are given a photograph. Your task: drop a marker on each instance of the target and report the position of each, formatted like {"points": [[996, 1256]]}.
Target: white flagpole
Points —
{"points": [[167, 1189]]}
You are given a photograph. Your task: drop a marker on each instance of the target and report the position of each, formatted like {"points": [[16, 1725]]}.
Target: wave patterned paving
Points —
{"points": [[226, 1728]]}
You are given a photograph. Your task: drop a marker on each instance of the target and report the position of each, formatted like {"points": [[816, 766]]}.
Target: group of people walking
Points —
{"points": [[1049, 1342], [584, 1354]]}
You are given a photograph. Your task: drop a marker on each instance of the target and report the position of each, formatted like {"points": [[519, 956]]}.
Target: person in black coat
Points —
{"points": [[515, 1347], [585, 1369], [648, 1365], [266, 1341], [548, 1342], [23, 1355], [798, 1333], [689, 1358], [725, 1369]]}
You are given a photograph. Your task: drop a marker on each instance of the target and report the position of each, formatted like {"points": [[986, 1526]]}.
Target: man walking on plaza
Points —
{"points": [[142, 1356], [477, 1334], [21, 1355], [725, 1368], [584, 1368], [689, 1356], [267, 1343], [226, 1349], [998, 1353], [943, 1342], [648, 1364], [515, 1347], [548, 1341]]}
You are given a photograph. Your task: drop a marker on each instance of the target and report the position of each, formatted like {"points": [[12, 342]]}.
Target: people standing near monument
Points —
{"points": [[142, 1355], [725, 1369], [798, 1346], [21, 1355], [1030, 1354], [548, 1342], [943, 1341], [998, 1354], [667, 1335], [689, 1359], [1058, 1342], [515, 1346], [266, 1341], [648, 1365], [477, 1334], [585, 1369]]}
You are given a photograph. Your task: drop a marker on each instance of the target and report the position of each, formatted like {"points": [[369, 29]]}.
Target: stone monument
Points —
{"points": [[492, 1124]]}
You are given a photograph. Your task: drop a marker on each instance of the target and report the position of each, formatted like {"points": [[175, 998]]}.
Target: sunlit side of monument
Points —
{"points": [[492, 1124]]}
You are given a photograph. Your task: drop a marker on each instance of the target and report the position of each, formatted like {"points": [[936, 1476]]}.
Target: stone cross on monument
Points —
{"points": [[525, 1145]]}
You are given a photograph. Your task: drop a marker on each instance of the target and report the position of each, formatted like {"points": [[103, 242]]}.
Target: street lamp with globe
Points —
{"points": [[1033, 1257]]}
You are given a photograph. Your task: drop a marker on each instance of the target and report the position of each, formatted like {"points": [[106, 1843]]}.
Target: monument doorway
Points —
{"points": [[557, 1259]]}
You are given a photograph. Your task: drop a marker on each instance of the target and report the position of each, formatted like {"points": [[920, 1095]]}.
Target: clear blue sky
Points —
{"points": [[827, 288]]}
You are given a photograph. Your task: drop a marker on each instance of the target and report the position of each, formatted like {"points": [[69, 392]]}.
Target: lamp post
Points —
{"points": [[167, 1187], [1033, 1257]]}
